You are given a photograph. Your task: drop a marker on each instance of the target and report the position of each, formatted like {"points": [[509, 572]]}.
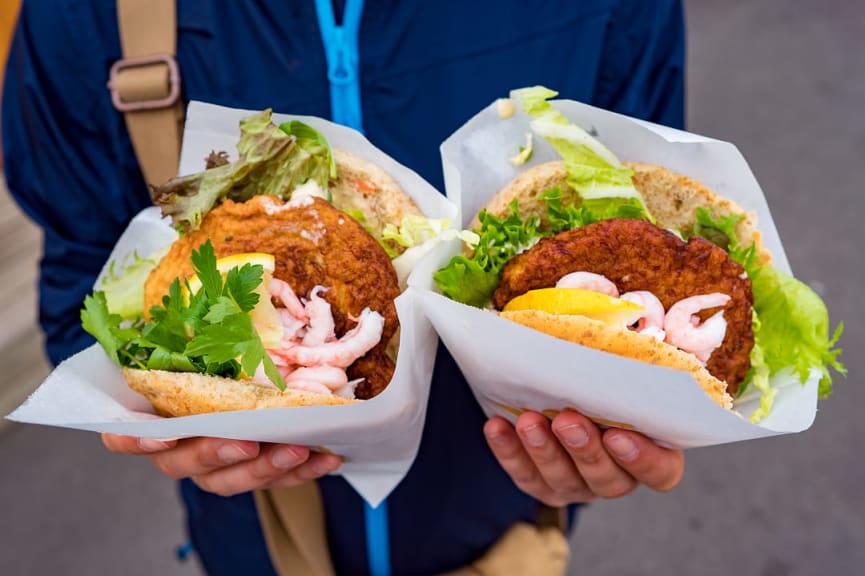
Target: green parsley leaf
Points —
{"points": [[209, 331], [204, 262], [222, 307], [96, 320], [240, 284]]}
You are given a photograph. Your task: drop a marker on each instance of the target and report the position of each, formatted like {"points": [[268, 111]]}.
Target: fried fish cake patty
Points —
{"points": [[313, 244], [637, 255]]}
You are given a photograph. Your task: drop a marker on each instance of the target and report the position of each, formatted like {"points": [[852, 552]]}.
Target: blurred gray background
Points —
{"points": [[782, 79]]}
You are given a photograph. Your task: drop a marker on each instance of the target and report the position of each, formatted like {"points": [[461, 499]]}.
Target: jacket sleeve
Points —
{"points": [[68, 160], [642, 72]]}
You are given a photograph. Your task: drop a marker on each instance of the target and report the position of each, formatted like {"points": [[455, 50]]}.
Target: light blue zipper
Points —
{"points": [[340, 49]]}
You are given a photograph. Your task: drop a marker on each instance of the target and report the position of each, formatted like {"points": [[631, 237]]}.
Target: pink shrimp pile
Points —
{"points": [[679, 326], [310, 357]]}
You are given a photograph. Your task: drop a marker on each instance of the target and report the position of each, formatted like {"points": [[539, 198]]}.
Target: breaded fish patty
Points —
{"points": [[637, 255], [313, 244]]}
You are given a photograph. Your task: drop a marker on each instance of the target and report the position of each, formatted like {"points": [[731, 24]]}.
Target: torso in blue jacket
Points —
{"points": [[425, 68]]}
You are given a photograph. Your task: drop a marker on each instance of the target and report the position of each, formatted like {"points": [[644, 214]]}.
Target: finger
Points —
{"points": [[582, 441], [509, 451], [546, 452], [275, 461], [658, 468], [135, 446], [317, 466], [197, 456]]}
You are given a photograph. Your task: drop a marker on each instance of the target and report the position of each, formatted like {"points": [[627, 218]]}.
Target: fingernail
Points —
{"points": [[152, 445], [231, 453], [622, 447], [574, 435], [324, 466], [285, 457], [498, 439], [535, 435]]}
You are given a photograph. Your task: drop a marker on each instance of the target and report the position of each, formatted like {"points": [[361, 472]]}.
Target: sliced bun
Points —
{"points": [[364, 187], [189, 393], [595, 334], [671, 198]]}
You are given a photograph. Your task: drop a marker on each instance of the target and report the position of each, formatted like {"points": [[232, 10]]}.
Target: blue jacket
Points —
{"points": [[425, 68]]}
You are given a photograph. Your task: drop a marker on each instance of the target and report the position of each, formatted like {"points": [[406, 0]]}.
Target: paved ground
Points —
{"points": [[785, 81]]}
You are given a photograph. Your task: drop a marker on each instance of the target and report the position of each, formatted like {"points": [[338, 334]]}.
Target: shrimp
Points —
{"points": [[650, 322], [332, 377], [309, 386], [685, 331], [343, 352], [292, 328], [588, 281], [347, 391], [320, 319], [283, 292], [282, 367]]}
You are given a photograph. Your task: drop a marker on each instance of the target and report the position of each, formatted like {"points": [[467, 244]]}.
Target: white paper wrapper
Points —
{"points": [[511, 367], [378, 438]]}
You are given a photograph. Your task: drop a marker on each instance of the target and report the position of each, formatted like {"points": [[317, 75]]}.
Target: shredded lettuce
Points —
{"points": [[791, 322], [414, 230], [271, 161], [593, 170], [525, 152], [123, 285]]}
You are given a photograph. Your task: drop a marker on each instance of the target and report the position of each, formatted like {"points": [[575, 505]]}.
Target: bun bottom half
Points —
{"points": [[622, 342], [190, 393]]}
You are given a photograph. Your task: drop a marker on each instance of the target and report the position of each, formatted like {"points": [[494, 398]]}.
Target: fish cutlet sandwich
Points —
{"points": [[641, 262], [280, 288]]}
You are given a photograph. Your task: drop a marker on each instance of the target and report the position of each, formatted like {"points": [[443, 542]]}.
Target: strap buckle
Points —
{"points": [[126, 66]]}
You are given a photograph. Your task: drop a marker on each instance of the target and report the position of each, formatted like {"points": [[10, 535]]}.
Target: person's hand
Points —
{"points": [[228, 467], [570, 460]]}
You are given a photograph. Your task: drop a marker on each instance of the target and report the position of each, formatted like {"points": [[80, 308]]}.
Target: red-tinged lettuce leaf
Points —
{"points": [[270, 162]]}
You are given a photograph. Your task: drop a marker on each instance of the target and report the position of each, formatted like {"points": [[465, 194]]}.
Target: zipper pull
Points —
{"points": [[340, 48]]}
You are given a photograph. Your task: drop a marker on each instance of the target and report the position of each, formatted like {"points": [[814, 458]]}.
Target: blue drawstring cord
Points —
{"points": [[341, 51]]}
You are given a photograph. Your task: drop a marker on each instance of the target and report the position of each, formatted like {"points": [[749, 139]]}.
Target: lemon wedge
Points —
{"points": [[265, 318], [575, 301]]}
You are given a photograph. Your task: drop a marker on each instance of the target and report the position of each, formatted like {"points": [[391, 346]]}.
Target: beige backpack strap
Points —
{"points": [[292, 520], [145, 85]]}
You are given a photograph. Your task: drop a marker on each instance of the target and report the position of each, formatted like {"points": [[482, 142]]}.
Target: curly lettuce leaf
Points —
{"points": [[312, 141], [589, 211], [758, 375], [270, 161], [473, 280], [721, 231], [593, 170], [791, 322], [795, 328]]}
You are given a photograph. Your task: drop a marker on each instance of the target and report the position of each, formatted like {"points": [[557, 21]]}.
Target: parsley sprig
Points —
{"points": [[209, 332]]}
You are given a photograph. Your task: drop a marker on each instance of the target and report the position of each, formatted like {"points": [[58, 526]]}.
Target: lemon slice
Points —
{"points": [[575, 301], [265, 318]]}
